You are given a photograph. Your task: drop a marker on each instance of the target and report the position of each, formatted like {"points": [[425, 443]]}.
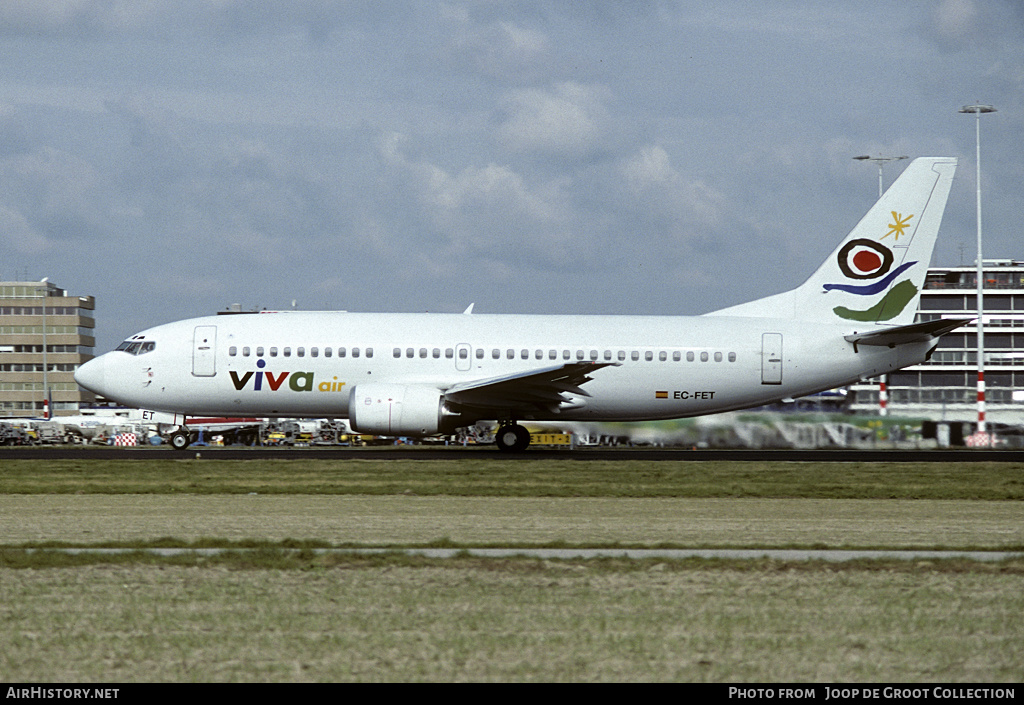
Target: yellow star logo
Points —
{"points": [[896, 228]]}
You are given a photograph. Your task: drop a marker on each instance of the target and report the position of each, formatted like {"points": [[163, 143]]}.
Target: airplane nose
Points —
{"points": [[92, 375]]}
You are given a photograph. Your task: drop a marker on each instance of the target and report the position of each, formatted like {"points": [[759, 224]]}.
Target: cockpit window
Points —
{"points": [[136, 347]]}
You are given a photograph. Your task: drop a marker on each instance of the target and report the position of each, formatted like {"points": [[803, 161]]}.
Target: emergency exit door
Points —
{"points": [[771, 358]]}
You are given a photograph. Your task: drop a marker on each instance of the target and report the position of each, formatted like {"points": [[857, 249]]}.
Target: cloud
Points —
{"points": [[956, 19], [499, 49], [17, 236], [692, 205], [87, 17], [567, 120], [56, 193], [483, 213], [963, 25]]}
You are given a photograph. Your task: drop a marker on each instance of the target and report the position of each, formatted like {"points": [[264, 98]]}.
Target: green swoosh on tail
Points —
{"points": [[889, 307]]}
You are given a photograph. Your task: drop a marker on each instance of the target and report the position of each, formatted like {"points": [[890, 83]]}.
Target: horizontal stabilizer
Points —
{"points": [[914, 333]]}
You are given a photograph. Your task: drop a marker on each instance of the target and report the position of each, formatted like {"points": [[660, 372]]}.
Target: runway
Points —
{"points": [[946, 455], [785, 555]]}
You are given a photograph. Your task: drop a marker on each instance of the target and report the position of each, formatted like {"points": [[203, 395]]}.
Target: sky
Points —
{"points": [[175, 157]]}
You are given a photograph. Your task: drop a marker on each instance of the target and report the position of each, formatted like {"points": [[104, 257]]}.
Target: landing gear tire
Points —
{"points": [[180, 440], [512, 438]]}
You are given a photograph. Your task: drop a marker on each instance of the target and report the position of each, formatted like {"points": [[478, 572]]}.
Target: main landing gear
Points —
{"points": [[512, 438]]}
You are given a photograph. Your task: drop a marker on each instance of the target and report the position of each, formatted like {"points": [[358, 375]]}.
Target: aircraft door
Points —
{"points": [[463, 357], [204, 351], [771, 358]]}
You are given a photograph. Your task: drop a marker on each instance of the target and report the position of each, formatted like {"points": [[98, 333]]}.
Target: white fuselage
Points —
{"points": [[305, 364]]}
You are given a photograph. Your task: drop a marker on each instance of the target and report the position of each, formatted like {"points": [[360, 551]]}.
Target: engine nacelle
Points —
{"points": [[399, 410]]}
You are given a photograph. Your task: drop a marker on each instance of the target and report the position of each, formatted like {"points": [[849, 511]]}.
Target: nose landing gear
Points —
{"points": [[180, 439]]}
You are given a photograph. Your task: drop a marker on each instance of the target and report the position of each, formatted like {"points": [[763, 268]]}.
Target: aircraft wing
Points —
{"points": [[550, 388], [914, 333]]}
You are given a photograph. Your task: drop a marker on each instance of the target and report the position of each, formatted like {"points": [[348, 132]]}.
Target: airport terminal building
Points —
{"points": [[945, 387], [45, 334]]}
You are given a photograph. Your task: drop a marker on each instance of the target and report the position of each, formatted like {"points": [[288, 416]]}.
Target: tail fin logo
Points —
{"points": [[863, 259], [867, 259], [896, 229]]}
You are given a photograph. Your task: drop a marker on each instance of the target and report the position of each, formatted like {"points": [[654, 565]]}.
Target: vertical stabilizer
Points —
{"points": [[877, 272]]}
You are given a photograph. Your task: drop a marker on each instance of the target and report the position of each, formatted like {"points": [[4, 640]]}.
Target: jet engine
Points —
{"points": [[400, 410]]}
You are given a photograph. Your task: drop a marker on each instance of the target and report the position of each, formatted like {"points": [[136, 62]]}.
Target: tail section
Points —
{"points": [[877, 272]]}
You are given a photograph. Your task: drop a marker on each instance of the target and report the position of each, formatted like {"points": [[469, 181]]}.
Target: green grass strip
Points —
{"points": [[519, 478]]}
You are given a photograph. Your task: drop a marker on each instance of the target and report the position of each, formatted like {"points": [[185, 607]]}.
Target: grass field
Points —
{"points": [[498, 477], [276, 615]]}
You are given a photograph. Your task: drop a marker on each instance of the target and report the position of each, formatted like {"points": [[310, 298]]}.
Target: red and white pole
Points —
{"points": [[981, 401], [981, 437]]}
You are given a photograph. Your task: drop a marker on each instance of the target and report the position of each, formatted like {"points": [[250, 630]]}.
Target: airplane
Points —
{"points": [[422, 374]]}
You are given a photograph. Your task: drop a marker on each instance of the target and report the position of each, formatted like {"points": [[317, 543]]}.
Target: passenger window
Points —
{"points": [[259, 351], [449, 353], [634, 356], [732, 357], [369, 352], [524, 354], [355, 352], [676, 356], [397, 352], [273, 352], [565, 354], [718, 357], [327, 352], [662, 356], [593, 355], [622, 355], [479, 353], [703, 357], [409, 352], [314, 352], [579, 354], [245, 351], [436, 353], [689, 355], [300, 352], [552, 354], [232, 351], [510, 354], [423, 352], [649, 355], [539, 354], [496, 354], [341, 352]]}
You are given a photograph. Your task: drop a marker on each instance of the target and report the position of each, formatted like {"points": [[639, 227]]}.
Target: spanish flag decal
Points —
{"points": [[661, 395]]}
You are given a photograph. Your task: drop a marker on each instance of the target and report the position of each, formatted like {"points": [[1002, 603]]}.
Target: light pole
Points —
{"points": [[881, 162], [47, 411], [883, 398], [978, 110]]}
